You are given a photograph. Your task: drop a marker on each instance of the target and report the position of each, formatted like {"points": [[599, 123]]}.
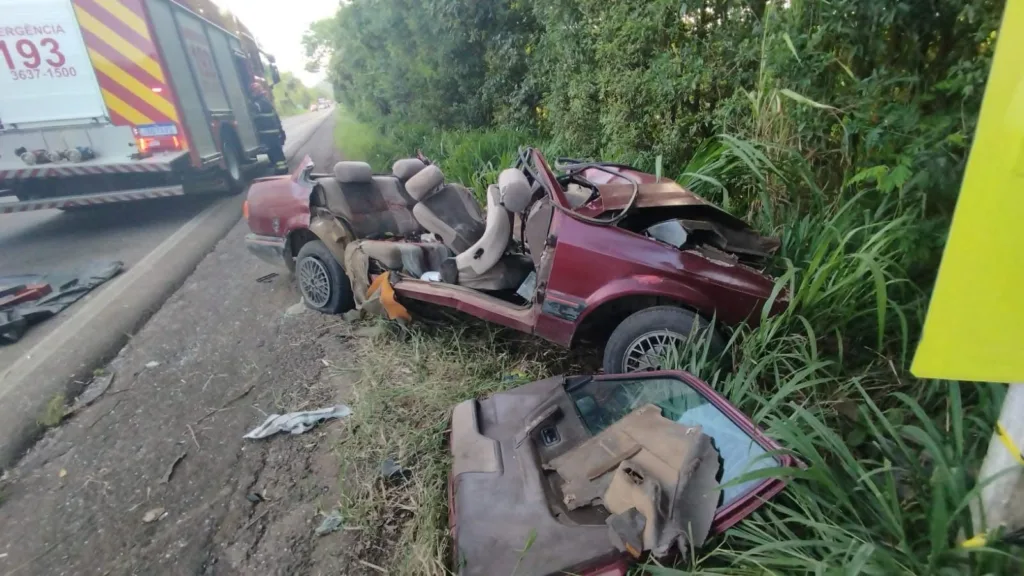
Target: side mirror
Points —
{"points": [[275, 76]]}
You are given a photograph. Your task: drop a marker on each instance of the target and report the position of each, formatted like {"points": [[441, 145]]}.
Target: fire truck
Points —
{"points": [[107, 101]]}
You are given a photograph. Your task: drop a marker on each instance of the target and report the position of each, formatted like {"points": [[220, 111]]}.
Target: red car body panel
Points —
{"points": [[279, 205], [725, 517]]}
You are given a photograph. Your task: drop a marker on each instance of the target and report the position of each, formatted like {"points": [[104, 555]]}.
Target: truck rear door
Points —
{"points": [[45, 73]]}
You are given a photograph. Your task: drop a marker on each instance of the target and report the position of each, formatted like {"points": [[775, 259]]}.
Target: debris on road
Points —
{"points": [[267, 278], [392, 471], [171, 468], [254, 497], [29, 299], [297, 422], [96, 388], [332, 523], [153, 515], [152, 364], [12, 326]]}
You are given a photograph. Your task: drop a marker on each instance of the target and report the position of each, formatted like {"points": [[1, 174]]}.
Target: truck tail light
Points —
{"points": [[143, 145]]}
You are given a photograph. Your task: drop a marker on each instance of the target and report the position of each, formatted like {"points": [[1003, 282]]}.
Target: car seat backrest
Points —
{"points": [[448, 210], [510, 196], [372, 208]]}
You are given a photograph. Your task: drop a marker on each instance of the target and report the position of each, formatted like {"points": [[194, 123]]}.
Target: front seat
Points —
{"points": [[448, 210], [371, 208], [484, 265]]}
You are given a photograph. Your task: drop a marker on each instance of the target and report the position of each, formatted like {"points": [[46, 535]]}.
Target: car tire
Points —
{"points": [[649, 329], [234, 173], [323, 283]]}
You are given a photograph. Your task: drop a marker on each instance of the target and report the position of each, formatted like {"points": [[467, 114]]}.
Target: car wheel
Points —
{"points": [[641, 342], [233, 165], [324, 285]]}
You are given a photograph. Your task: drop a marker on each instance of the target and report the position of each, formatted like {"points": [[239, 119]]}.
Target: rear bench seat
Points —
{"points": [[373, 206]]}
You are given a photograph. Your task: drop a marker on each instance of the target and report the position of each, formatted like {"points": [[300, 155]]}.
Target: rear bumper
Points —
{"points": [[92, 199], [270, 249]]}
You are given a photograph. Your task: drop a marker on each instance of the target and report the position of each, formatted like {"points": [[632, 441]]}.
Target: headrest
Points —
{"points": [[515, 190], [407, 168], [353, 172], [425, 183]]}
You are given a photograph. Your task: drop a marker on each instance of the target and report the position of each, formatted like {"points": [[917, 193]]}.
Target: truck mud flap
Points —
{"points": [[93, 199]]}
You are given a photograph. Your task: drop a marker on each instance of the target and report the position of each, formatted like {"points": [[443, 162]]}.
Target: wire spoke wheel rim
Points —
{"points": [[647, 352], [314, 282]]}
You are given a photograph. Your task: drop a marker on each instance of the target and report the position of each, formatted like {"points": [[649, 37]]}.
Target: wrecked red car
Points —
{"points": [[600, 252], [585, 475]]}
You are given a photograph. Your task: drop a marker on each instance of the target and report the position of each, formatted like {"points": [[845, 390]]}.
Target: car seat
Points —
{"points": [[448, 210], [372, 207], [484, 265]]}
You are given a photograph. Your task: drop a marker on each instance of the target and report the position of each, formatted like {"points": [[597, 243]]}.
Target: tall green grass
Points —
{"points": [[471, 157], [890, 460]]}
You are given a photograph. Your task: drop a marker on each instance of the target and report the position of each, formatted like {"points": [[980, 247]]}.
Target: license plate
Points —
{"points": [[156, 130]]}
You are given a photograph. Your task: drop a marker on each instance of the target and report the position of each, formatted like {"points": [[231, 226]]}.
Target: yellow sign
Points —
{"points": [[975, 325]]}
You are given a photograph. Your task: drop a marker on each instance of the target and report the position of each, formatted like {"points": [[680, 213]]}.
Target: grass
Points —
{"points": [[56, 409], [471, 157], [891, 461], [409, 380]]}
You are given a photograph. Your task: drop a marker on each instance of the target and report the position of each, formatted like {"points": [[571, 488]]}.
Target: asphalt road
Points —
{"points": [[50, 240], [155, 478]]}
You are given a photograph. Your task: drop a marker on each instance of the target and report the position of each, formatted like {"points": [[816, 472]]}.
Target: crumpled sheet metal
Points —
{"points": [[67, 288], [297, 422], [665, 470]]}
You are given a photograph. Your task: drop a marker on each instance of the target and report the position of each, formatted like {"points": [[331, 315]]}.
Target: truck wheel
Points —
{"points": [[324, 285], [233, 164], [643, 340]]}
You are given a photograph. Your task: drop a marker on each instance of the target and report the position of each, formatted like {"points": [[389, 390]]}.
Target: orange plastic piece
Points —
{"points": [[394, 310]]}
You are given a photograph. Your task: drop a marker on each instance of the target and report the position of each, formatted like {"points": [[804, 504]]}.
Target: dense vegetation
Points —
{"points": [[841, 126], [292, 97]]}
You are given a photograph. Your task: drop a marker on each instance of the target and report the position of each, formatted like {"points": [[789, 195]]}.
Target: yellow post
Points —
{"points": [[975, 325]]}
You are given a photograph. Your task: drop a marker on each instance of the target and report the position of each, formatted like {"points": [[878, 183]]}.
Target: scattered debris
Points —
{"points": [[30, 299], [4, 555], [99, 384], [170, 469], [331, 523], [254, 497], [193, 433], [153, 515], [256, 519], [297, 422], [152, 364], [62, 473], [296, 309], [267, 278], [392, 471], [241, 395], [354, 315]]}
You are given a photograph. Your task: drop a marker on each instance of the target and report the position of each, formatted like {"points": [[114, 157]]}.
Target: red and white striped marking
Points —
{"points": [[93, 199], [67, 170]]}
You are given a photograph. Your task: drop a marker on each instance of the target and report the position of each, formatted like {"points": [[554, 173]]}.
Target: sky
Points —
{"points": [[279, 25]]}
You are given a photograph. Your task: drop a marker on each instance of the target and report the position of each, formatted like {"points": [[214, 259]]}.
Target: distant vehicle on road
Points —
{"points": [[323, 104], [601, 252], [314, 107], [93, 111]]}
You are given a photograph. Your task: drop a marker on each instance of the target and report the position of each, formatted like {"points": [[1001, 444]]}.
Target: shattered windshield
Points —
{"points": [[601, 403]]}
